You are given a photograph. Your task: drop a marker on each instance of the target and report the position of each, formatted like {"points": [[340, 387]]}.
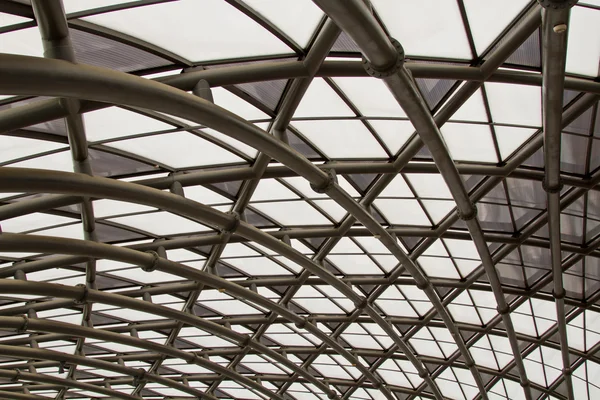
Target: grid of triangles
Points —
{"points": [[275, 329]]}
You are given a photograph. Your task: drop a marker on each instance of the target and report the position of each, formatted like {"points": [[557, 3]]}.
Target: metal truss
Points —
{"points": [[28, 76]]}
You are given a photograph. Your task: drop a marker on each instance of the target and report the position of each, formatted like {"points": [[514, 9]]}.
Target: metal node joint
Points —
{"points": [[155, 261], [392, 69], [84, 296], [328, 184], [559, 295], [557, 4], [553, 188], [503, 310], [467, 216], [235, 223]]}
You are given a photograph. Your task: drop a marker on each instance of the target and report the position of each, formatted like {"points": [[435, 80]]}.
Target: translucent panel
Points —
{"points": [[161, 223], [12, 147], [292, 213], [429, 185], [510, 139], [402, 211], [438, 267], [236, 144], [72, 6], [469, 142], [10, 19], [515, 104], [430, 28], [224, 98], [472, 110], [583, 52], [25, 42], [258, 266], [173, 149], [358, 264], [106, 208], [286, 14], [114, 122], [371, 96], [320, 100], [271, 189], [438, 209], [331, 208], [329, 135], [487, 21], [204, 195], [217, 37], [394, 133], [60, 161]]}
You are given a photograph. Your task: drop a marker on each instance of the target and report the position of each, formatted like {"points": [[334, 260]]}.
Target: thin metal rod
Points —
{"points": [[554, 55]]}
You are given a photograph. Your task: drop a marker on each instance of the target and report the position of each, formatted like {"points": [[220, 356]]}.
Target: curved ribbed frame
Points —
{"points": [[52, 109]]}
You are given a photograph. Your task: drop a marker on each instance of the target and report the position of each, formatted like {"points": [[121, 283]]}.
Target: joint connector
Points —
{"points": [[301, 324], [327, 185], [84, 295], [232, 227], [467, 216], [503, 310], [553, 188], [559, 295], [392, 69], [155, 260]]}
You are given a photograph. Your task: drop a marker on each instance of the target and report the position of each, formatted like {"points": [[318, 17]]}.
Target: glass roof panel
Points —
{"points": [[583, 52], [115, 122], [327, 134], [170, 149], [286, 14], [370, 96], [217, 37], [487, 21], [255, 54], [429, 29]]}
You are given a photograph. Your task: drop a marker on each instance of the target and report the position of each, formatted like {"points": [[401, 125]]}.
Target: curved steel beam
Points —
{"points": [[36, 324], [554, 53], [102, 85], [92, 295], [386, 60], [36, 354], [17, 375]]}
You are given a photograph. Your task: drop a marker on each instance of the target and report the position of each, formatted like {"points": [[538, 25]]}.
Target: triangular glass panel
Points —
{"points": [[361, 181], [104, 52], [573, 152], [529, 54], [108, 165], [111, 234], [228, 188], [345, 44], [266, 92], [298, 144], [434, 90]]}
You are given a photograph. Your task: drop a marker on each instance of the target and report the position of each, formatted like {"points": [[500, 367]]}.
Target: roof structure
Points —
{"points": [[286, 199]]}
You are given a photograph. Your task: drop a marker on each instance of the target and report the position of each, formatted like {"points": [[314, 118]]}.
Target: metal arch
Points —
{"points": [[169, 202], [292, 98], [17, 375], [381, 55], [89, 82], [396, 252], [77, 293], [554, 53], [20, 396], [34, 324], [31, 353], [54, 31]]}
